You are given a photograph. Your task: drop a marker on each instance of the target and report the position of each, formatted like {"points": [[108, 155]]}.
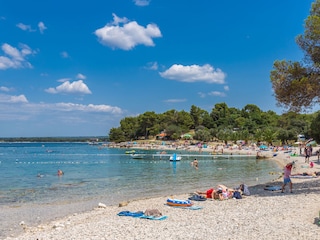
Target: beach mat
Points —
{"points": [[189, 208], [140, 214], [272, 188], [196, 197]]}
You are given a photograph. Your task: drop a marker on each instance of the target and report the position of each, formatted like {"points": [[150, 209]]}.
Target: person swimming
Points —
{"points": [[60, 172]]}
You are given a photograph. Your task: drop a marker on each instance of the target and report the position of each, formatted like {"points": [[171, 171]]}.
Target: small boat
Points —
{"points": [[130, 152], [137, 156], [175, 157]]}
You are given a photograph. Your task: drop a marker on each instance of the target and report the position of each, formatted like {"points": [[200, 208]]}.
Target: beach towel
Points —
{"points": [[196, 197], [153, 217], [140, 214], [130, 214], [189, 208], [272, 188]]}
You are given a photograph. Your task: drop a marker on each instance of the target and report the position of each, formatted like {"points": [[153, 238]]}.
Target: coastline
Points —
{"points": [[263, 215]]}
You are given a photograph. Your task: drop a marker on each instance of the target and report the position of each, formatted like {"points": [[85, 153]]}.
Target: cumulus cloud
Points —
{"points": [[4, 98], [64, 54], [88, 108], [15, 58], [217, 94], [25, 27], [76, 87], [194, 73], [142, 3], [202, 95], [81, 76], [226, 88], [41, 27], [175, 100], [125, 35], [4, 89], [152, 66]]}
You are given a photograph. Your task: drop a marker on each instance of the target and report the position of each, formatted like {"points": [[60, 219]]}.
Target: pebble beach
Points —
{"points": [[262, 215]]}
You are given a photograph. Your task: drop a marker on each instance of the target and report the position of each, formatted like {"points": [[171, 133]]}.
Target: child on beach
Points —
{"points": [[286, 177]]}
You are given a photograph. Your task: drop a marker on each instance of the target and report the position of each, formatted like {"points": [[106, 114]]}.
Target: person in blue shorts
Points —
{"points": [[286, 177]]}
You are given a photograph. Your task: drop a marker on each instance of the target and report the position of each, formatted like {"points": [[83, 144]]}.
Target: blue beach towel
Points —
{"points": [[154, 218], [130, 214], [140, 214]]}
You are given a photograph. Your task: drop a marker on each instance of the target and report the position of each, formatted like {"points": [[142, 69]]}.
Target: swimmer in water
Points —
{"points": [[60, 172]]}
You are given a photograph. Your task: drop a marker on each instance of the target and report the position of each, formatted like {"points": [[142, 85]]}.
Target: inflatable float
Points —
{"points": [[179, 203]]}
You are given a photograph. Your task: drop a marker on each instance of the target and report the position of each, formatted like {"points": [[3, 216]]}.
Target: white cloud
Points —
{"points": [[15, 58], [202, 95], [127, 36], [63, 79], [142, 3], [64, 54], [25, 27], [4, 98], [194, 73], [20, 105], [87, 108], [217, 94], [70, 87], [41, 27], [152, 66], [81, 76], [175, 100], [4, 89], [226, 88]]}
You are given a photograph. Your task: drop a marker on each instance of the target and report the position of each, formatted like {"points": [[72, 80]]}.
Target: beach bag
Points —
{"points": [[237, 195]]}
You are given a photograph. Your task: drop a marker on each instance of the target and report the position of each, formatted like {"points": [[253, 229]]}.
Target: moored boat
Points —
{"points": [[137, 156], [175, 157]]}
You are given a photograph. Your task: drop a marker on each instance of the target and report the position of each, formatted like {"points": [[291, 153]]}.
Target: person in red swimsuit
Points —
{"points": [[208, 194]]}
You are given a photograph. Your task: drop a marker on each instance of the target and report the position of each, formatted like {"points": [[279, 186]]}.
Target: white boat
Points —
{"points": [[175, 157], [137, 156]]}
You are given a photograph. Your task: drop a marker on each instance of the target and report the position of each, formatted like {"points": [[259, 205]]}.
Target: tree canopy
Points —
{"points": [[296, 85], [223, 123]]}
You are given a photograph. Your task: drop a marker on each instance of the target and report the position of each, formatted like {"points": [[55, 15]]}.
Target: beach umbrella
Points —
{"points": [[263, 147], [311, 143], [187, 135]]}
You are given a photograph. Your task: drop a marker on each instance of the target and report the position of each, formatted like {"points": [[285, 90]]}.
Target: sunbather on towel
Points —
{"points": [[224, 194], [208, 194]]}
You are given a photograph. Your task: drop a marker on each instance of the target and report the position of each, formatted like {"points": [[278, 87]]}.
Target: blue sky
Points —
{"points": [[76, 68]]}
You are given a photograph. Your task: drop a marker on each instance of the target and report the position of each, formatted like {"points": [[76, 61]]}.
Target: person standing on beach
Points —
{"points": [[286, 177]]}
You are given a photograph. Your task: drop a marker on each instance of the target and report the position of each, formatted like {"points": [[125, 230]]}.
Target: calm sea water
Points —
{"points": [[93, 172]]}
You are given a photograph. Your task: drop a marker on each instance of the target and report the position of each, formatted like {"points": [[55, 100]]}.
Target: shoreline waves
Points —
{"points": [[262, 215]]}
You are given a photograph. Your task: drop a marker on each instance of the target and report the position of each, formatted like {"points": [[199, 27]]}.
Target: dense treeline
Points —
{"points": [[223, 123], [55, 139]]}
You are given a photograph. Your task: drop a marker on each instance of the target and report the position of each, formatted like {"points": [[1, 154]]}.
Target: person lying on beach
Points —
{"points": [[210, 193], [224, 194]]}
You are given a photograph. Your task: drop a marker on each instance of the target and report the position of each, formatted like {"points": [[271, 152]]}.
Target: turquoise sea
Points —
{"points": [[28, 173], [95, 171]]}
